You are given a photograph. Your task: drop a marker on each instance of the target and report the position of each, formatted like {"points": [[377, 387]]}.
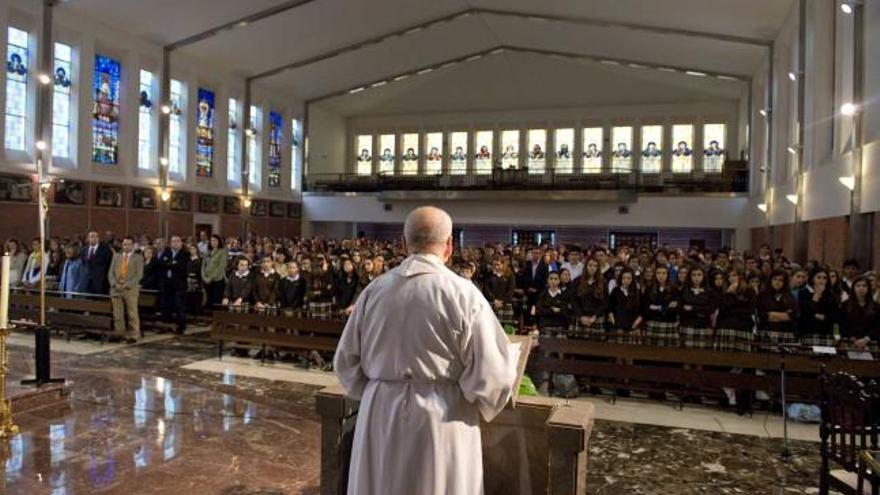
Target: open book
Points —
{"points": [[525, 347]]}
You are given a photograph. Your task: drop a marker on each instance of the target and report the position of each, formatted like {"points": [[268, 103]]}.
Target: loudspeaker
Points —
{"points": [[387, 206], [623, 209]]}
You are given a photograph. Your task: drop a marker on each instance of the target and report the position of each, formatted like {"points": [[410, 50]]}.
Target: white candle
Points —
{"points": [[4, 292]]}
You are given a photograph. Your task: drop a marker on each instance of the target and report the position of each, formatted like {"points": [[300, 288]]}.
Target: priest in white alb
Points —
{"points": [[426, 356]]}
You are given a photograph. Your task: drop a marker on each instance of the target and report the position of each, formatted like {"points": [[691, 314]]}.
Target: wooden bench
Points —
{"points": [[92, 316], [287, 332]]}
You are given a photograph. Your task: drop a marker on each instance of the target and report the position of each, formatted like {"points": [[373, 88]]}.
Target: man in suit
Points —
{"points": [[96, 257], [173, 263], [124, 277], [73, 273]]}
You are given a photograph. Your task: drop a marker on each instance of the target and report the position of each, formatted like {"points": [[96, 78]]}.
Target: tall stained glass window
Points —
{"points": [[62, 121], [145, 121], [364, 158], [276, 130], [683, 151], [483, 158], [105, 121], [296, 150], [205, 134], [591, 142], [409, 160], [714, 147], [537, 150], [563, 140], [458, 145], [652, 149], [233, 165], [386, 158], [16, 88], [621, 153], [176, 158], [510, 148], [434, 155], [255, 153]]}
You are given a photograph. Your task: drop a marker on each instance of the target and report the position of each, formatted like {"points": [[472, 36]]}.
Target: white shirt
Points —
{"points": [[576, 270]]}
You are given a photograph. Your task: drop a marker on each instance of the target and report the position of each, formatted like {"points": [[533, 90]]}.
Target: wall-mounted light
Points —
{"points": [[165, 195], [847, 7], [849, 181], [163, 161], [250, 131], [45, 79], [40, 145], [246, 202], [764, 112], [762, 207], [793, 149], [792, 76], [792, 198], [165, 108], [849, 109]]}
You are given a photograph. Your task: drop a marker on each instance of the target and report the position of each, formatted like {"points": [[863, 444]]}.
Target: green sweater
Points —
{"points": [[214, 266]]}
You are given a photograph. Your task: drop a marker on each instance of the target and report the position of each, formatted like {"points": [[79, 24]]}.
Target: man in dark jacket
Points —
{"points": [[96, 257], [173, 263]]}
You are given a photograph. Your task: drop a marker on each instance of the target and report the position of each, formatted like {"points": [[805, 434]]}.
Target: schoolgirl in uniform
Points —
{"points": [[660, 307], [697, 307]]}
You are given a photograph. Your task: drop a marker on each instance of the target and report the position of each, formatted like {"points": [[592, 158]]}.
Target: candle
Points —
{"points": [[4, 292]]}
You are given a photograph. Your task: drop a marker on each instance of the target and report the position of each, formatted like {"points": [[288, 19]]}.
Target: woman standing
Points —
{"points": [[860, 317], [736, 315], [321, 290], [17, 261], [195, 296], [697, 307], [498, 289], [214, 270], [624, 306], [590, 303], [819, 308], [550, 308], [346, 288], [777, 311], [660, 308]]}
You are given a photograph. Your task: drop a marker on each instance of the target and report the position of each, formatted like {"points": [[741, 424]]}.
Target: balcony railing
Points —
{"points": [[733, 179]]}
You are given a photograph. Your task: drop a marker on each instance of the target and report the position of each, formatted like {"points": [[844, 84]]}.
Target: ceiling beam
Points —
{"points": [[241, 22]]}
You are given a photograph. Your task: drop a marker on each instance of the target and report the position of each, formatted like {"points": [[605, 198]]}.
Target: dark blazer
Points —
{"points": [[173, 269], [97, 267], [777, 302], [292, 293], [827, 306]]}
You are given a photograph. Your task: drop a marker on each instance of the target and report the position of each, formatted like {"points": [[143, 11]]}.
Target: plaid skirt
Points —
{"points": [[505, 315], [621, 336], [696, 338], [661, 333], [772, 338], [321, 310], [728, 339], [811, 339], [596, 331], [550, 331]]}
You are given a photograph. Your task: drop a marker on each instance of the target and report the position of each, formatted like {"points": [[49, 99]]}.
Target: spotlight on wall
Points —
{"points": [[163, 161], [849, 109], [166, 109], [246, 202], [165, 195], [762, 207], [792, 76], [40, 145], [764, 112], [45, 79], [793, 150], [846, 7], [250, 131], [792, 198], [849, 181]]}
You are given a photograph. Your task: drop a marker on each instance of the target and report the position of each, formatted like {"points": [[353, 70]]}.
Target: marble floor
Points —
{"points": [[167, 417]]}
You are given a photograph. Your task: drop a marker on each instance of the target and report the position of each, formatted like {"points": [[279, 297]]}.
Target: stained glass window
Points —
{"points": [[364, 158], [564, 152], [276, 130], [61, 117], [255, 172], [409, 161], [621, 154], [233, 165], [652, 149], [16, 88], [386, 158], [510, 149], [714, 150], [592, 138], [537, 150], [434, 157], [176, 158], [483, 158], [458, 145], [145, 121], [105, 121], [683, 152], [205, 134], [295, 152]]}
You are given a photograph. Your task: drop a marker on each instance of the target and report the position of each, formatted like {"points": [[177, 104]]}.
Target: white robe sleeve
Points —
{"points": [[347, 361], [490, 361]]}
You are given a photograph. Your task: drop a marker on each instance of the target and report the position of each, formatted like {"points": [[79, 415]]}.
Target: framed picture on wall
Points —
{"points": [[16, 188], [70, 192], [277, 209], [231, 205], [143, 198], [259, 207], [109, 196], [209, 203], [180, 201], [294, 210]]}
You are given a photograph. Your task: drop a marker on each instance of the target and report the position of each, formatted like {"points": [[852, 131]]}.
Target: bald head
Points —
{"points": [[428, 230]]}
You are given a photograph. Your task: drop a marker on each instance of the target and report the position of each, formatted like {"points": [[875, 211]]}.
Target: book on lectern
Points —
{"points": [[525, 347]]}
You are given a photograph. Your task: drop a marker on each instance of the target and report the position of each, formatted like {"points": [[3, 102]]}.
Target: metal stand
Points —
{"points": [[786, 452], [43, 360], [8, 428]]}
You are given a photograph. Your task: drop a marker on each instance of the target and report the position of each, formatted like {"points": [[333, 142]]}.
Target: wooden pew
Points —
{"points": [[287, 332], [93, 316]]}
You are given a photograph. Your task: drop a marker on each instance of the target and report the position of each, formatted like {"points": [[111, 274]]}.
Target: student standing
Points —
{"points": [[736, 315], [214, 270], [860, 317], [550, 308], [292, 291], [697, 307], [124, 278], [777, 311], [590, 303], [498, 289], [624, 308], [660, 309], [819, 309], [240, 285]]}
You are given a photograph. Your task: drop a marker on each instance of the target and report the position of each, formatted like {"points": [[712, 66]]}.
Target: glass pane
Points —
{"points": [[564, 142], [458, 145], [410, 159], [715, 151], [205, 134], [683, 153], [510, 149], [365, 155], [483, 158], [652, 149], [145, 127], [621, 156], [255, 166], [537, 155], [434, 158], [295, 163], [233, 168], [105, 116], [276, 130], [16, 88], [386, 159], [61, 119], [592, 149]]}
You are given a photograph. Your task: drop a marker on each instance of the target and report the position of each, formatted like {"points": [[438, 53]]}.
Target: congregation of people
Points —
{"points": [[660, 296]]}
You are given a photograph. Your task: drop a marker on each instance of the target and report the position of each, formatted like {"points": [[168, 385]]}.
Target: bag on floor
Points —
{"points": [[804, 413], [565, 386]]}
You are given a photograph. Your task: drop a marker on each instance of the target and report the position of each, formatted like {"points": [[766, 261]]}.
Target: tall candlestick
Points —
{"points": [[4, 292]]}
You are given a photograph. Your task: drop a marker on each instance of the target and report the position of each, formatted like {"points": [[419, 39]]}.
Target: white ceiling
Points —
{"points": [[519, 80]]}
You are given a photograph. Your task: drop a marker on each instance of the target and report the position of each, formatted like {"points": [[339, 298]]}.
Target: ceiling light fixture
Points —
{"points": [[40, 145], [356, 90], [695, 73], [425, 71], [793, 149], [764, 112], [666, 69], [610, 62], [792, 76], [45, 79], [846, 7], [849, 109]]}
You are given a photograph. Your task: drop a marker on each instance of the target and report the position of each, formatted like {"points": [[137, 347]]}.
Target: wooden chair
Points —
{"points": [[850, 420]]}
